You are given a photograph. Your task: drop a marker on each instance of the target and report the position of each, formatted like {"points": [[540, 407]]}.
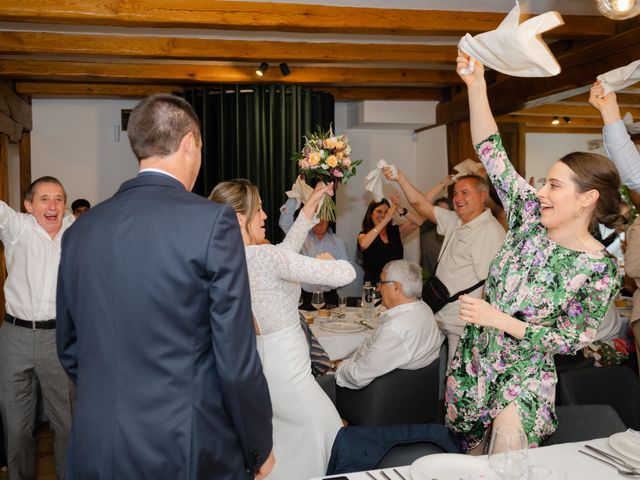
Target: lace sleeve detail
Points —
{"points": [[517, 196], [298, 233], [293, 267]]}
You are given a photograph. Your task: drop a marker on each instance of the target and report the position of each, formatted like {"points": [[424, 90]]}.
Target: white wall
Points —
{"points": [[422, 157], [73, 140], [543, 149]]}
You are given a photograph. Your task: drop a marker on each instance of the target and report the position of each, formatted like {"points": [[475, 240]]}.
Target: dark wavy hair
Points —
{"points": [[367, 223], [596, 172]]}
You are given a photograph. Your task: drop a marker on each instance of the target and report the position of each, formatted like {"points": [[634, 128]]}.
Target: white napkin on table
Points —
{"points": [[373, 180], [300, 190], [620, 78], [468, 167], [515, 48]]}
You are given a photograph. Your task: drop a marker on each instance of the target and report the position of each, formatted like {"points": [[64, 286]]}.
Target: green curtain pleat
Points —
{"points": [[251, 131]]}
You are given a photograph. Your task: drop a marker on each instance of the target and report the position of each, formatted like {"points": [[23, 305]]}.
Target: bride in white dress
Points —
{"points": [[305, 421]]}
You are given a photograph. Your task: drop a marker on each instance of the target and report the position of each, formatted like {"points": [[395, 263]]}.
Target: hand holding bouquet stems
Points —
{"points": [[311, 207]]}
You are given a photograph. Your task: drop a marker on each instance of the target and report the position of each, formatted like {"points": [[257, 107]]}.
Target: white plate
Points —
{"points": [[628, 444], [342, 327], [447, 466]]}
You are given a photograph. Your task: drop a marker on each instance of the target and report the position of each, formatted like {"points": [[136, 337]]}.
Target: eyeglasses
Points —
{"points": [[382, 282]]}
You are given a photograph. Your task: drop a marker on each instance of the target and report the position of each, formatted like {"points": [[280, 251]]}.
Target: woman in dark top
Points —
{"points": [[379, 242]]}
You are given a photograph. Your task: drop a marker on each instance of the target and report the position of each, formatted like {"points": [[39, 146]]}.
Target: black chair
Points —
{"points": [[398, 397], [406, 454], [616, 386], [579, 423], [569, 362]]}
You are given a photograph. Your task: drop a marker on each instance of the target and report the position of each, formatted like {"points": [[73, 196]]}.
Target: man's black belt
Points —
{"points": [[33, 325]]}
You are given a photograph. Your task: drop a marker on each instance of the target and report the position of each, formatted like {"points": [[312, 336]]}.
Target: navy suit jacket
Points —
{"points": [[154, 326]]}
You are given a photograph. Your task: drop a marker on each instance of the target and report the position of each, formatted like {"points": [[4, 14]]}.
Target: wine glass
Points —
{"points": [[317, 300], [508, 452], [342, 303]]}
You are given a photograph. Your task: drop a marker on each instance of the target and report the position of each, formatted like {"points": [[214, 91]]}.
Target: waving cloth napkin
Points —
{"points": [[515, 48], [631, 126], [300, 190], [373, 180], [468, 167], [620, 78]]}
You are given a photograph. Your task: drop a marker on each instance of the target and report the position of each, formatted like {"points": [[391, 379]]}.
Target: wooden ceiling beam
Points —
{"points": [[627, 99], [559, 129], [541, 121], [47, 43], [384, 93], [34, 89], [286, 17], [192, 73], [579, 70], [15, 107], [570, 110]]}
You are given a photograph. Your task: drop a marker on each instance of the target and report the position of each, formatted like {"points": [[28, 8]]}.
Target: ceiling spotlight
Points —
{"points": [[284, 68], [619, 9], [262, 68], [555, 121], [567, 120]]}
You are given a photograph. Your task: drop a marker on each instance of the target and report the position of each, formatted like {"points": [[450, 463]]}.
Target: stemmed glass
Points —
{"points": [[317, 300], [508, 452]]}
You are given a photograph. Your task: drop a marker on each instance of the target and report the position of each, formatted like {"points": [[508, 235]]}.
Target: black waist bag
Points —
{"points": [[436, 295]]}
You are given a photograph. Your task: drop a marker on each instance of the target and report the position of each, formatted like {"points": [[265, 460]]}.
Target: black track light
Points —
{"points": [[284, 68], [567, 120], [555, 121], [262, 68]]}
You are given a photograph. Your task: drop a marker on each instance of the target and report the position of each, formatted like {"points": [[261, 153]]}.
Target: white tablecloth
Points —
{"points": [[343, 345], [563, 457]]}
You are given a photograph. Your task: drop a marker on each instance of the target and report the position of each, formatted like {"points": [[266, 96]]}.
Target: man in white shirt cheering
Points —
{"points": [[472, 237], [408, 337], [28, 335]]}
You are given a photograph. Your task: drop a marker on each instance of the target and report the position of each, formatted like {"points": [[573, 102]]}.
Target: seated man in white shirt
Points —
{"points": [[408, 336]]}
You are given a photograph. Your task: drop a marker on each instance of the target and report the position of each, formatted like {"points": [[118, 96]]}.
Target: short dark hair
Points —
{"points": [[158, 123], [28, 196], [79, 203]]}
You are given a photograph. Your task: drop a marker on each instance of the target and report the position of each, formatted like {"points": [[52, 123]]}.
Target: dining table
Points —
{"points": [[339, 335], [564, 460]]}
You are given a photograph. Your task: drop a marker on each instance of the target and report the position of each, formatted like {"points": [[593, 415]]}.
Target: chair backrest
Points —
{"points": [[398, 397], [616, 386], [579, 423]]}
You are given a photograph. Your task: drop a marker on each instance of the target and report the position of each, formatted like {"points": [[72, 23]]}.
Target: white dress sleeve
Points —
{"points": [[298, 232]]}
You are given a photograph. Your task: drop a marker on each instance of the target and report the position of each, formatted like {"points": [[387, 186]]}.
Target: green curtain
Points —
{"points": [[251, 131]]}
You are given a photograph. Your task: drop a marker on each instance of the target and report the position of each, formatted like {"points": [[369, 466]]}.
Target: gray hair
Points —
{"points": [[481, 183], [407, 274]]}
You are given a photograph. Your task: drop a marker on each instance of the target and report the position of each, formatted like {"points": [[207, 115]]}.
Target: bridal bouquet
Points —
{"points": [[325, 158]]}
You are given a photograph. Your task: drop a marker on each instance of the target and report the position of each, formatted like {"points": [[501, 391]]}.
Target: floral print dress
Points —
{"points": [[561, 293]]}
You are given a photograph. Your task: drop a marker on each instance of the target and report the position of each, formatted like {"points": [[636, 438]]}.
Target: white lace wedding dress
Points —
{"points": [[305, 421]]}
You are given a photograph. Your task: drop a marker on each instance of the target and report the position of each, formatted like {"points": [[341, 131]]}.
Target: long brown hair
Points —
{"points": [[367, 223], [242, 195], [596, 172]]}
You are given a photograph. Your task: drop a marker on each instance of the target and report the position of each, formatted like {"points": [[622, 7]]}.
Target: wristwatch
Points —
{"points": [[403, 213]]}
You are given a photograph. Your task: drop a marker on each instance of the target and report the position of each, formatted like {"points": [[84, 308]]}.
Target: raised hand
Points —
{"points": [[463, 63], [607, 104], [314, 199], [388, 173]]}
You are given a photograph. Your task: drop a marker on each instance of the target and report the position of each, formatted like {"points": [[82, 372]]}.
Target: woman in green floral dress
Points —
{"points": [[546, 292]]}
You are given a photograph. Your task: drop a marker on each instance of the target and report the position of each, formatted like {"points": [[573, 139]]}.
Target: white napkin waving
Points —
{"points": [[620, 78], [468, 167], [631, 126], [300, 190], [515, 48], [373, 180]]}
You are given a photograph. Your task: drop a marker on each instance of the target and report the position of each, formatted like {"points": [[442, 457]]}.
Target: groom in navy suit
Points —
{"points": [[154, 322]]}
